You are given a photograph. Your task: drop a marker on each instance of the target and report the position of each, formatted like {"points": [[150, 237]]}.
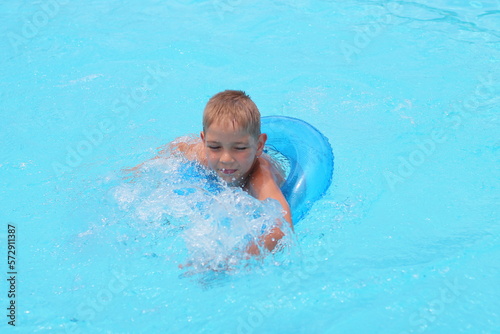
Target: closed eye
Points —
{"points": [[240, 148]]}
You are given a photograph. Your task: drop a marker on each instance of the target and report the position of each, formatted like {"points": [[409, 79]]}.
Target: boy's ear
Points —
{"points": [[202, 136], [261, 143]]}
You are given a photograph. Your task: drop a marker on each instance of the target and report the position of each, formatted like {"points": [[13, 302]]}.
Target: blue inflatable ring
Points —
{"points": [[311, 161]]}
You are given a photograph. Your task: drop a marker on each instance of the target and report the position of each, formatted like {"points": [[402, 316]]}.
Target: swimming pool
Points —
{"points": [[405, 240]]}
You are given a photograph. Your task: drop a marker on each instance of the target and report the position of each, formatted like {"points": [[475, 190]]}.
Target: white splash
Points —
{"points": [[216, 222]]}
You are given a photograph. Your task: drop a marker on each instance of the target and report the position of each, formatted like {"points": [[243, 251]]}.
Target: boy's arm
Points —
{"points": [[263, 185], [192, 151]]}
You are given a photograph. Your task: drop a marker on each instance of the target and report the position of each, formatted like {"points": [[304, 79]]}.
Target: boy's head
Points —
{"points": [[231, 135], [235, 109]]}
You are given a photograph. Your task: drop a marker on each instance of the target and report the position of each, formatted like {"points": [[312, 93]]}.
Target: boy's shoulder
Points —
{"points": [[272, 168], [264, 176], [190, 147]]}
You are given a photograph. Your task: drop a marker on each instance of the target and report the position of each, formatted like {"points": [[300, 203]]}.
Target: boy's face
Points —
{"points": [[231, 151]]}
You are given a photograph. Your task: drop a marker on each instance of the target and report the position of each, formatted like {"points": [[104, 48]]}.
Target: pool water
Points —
{"points": [[406, 240]]}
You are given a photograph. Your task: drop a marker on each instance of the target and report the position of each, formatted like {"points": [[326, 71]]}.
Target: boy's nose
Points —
{"points": [[226, 158]]}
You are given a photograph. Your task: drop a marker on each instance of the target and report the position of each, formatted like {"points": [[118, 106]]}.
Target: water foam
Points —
{"points": [[217, 222]]}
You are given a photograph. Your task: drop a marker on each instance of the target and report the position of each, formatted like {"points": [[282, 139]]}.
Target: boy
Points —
{"points": [[232, 145]]}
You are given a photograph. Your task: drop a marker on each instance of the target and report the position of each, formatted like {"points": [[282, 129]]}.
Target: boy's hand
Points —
{"points": [[269, 241]]}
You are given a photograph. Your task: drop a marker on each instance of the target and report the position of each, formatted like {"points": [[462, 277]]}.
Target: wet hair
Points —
{"points": [[233, 107]]}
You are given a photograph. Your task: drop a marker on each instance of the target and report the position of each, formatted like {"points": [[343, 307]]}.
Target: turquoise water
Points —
{"points": [[405, 240]]}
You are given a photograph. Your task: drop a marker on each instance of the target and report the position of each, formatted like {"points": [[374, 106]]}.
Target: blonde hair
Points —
{"points": [[233, 107]]}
